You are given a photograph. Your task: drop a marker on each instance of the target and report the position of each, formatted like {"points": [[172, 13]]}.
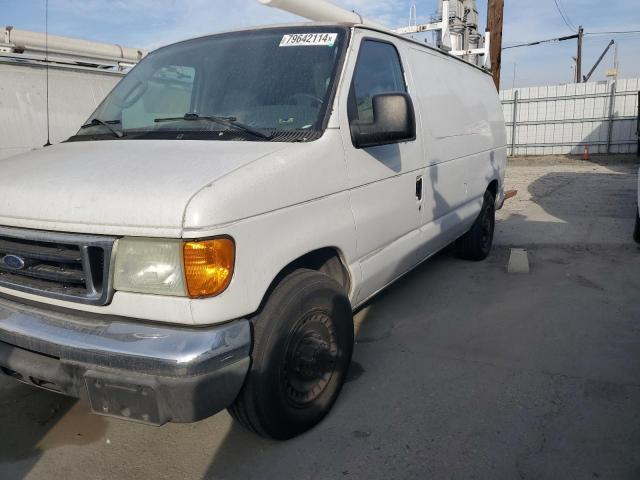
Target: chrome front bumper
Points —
{"points": [[138, 371]]}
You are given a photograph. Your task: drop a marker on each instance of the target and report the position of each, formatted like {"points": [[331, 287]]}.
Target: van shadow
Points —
{"points": [[26, 416], [33, 421], [579, 206], [388, 155], [566, 195], [575, 207]]}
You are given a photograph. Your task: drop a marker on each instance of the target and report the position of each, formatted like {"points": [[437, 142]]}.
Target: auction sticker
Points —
{"points": [[309, 40]]}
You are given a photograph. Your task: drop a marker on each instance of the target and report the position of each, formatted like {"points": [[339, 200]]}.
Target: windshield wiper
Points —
{"points": [[231, 122], [96, 121]]}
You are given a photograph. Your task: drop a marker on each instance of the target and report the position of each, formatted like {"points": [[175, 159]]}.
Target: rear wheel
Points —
{"points": [[476, 243], [303, 341], [636, 231]]}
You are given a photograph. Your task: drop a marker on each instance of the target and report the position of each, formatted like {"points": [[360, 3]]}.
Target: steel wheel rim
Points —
{"points": [[310, 359]]}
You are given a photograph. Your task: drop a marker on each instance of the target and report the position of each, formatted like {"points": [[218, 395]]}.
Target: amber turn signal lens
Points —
{"points": [[208, 266]]}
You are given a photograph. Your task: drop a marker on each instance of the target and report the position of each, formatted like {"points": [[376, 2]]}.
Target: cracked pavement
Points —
{"points": [[461, 370]]}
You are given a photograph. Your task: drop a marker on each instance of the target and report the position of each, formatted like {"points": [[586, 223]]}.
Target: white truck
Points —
{"points": [[203, 241]]}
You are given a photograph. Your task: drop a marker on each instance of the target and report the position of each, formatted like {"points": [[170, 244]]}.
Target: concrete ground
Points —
{"points": [[461, 370]]}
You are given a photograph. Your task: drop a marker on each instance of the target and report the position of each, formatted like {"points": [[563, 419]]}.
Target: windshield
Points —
{"points": [[260, 85]]}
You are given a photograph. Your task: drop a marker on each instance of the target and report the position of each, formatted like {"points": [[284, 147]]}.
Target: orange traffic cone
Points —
{"points": [[585, 154]]}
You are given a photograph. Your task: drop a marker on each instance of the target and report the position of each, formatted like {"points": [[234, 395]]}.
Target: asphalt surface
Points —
{"points": [[461, 370]]}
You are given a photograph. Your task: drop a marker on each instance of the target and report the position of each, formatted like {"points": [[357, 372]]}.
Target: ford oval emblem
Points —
{"points": [[13, 262]]}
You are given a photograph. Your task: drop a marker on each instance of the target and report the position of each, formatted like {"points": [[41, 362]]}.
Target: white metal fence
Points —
{"points": [[563, 119]]}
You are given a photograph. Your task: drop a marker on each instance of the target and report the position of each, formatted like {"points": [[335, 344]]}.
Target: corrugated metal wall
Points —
{"points": [[74, 93], [563, 119]]}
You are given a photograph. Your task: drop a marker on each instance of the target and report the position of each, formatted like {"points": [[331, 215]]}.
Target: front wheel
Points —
{"points": [[303, 341], [636, 231], [476, 243]]}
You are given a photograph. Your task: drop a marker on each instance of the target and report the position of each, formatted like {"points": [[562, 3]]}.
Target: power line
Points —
{"points": [[538, 42], [571, 37], [620, 32], [565, 16]]}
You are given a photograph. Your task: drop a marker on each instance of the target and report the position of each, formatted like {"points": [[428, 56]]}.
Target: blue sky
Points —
{"points": [[151, 23]]}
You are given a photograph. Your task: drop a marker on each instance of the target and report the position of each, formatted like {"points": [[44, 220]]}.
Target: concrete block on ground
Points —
{"points": [[518, 261]]}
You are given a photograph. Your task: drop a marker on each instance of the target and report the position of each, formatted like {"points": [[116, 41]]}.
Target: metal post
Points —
{"points": [[588, 75], [515, 123], [612, 102], [445, 32]]}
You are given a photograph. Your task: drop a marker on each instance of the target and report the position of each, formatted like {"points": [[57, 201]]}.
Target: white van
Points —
{"points": [[204, 239]]}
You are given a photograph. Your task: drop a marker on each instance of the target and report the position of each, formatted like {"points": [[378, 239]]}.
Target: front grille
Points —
{"points": [[56, 265]]}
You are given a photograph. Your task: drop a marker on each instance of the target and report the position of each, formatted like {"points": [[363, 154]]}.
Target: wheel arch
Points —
{"points": [[327, 260]]}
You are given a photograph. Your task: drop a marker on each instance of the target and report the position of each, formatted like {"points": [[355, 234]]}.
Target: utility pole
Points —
{"points": [[579, 56], [495, 18]]}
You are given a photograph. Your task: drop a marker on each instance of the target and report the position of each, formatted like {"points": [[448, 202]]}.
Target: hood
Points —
{"points": [[127, 187]]}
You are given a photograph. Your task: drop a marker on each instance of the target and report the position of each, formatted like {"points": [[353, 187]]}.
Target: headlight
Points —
{"points": [[146, 265], [173, 267]]}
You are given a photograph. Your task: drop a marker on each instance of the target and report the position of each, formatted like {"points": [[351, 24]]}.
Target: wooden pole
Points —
{"points": [[495, 16], [579, 56]]}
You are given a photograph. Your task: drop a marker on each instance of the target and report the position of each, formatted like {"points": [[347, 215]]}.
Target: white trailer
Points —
{"points": [[80, 74]]}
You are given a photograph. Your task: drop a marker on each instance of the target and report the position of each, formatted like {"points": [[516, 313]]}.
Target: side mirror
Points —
{"points": [[394, 121]]}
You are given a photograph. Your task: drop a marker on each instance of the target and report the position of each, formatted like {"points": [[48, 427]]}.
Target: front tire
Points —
{"points": [[303, 341], [636, 231], [476, 244]]}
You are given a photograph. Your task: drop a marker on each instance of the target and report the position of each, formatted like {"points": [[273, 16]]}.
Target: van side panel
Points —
{"points": [[460, 106], [382, 188], [465, 143]]}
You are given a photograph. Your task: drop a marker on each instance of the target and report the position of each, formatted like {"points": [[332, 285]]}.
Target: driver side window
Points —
{"points": [[378, 70]]}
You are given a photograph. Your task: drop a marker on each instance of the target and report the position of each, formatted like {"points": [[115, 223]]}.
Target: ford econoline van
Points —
{"points": [[203, 241]]}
